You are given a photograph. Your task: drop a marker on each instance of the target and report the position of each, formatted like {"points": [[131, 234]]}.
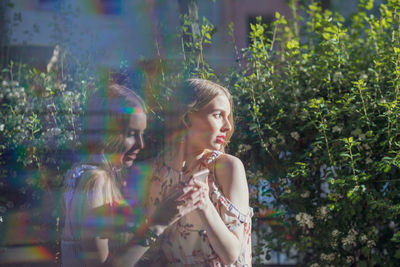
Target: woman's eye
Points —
{"points": [[131, 133], [218, 115]]}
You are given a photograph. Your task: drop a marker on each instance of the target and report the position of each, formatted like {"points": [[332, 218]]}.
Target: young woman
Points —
{"points": [[101, 228], [217, 232]]}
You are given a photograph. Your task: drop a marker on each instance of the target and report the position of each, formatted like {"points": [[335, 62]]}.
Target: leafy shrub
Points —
{"points": [[318, 121], [317, 127], [39, 128]]}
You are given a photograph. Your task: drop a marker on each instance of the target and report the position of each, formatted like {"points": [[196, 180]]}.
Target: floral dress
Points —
{"points": [[185, 243]]}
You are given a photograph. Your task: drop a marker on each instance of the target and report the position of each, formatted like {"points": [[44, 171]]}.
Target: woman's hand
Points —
{"points": [[181, 201], [201, 197]]}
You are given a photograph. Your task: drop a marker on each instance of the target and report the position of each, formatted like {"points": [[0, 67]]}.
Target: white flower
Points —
{"points": [[322, 213], [295, 135], [363, 238], [305, 219], [349, 259], [371, 243], [350, 239], [305, 194], [4, 83], [1, 127], [314, 265], [68, 93], [336, 129], [356, 132], [327, 257], [368, 161], [281, 138], [243, 148], [57, 131]]}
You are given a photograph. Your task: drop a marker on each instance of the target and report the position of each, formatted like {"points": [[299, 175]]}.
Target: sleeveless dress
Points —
{"points": [[184, 243]]}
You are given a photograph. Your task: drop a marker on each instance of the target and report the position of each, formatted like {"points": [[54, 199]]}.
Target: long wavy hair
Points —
{"points": [[191, 96]]}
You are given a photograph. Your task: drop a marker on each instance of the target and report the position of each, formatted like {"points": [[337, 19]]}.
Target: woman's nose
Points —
{"points": [[140, 141], [227, 126]]}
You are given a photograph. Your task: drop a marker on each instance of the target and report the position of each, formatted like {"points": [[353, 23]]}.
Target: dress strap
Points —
{"points": [[229, 206], [213, 157], [219, 196]]}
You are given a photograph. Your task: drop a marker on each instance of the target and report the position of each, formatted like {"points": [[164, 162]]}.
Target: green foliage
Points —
{"points": [[317, 126], [318, 109], [39, 128]]}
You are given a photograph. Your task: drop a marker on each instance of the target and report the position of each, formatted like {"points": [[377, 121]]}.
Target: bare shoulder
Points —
{"points": [[229, 161], [231, 176]]}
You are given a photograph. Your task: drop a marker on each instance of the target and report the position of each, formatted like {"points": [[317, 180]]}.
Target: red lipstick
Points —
{"points": [[221, 139]]}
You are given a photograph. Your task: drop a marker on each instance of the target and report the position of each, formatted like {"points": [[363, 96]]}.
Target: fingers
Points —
{"points": [[182, 200], [193, 199], [200, 184]]}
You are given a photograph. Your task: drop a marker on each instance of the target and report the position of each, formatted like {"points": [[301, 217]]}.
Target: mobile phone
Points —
{"points": [[201, 175]]}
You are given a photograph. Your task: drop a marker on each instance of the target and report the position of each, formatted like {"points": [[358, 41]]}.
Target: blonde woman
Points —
{"points": [[101, 227], [217, 232]]}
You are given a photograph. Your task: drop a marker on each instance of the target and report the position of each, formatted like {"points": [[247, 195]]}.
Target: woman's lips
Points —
{"points": [[221, 139], [130, 157]]}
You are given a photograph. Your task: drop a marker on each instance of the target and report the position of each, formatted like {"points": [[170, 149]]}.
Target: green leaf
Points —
{"points": [[397, 254], [365, 251]]}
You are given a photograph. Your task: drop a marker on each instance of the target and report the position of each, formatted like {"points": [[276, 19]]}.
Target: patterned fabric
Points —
{"points": [[185, 243]]}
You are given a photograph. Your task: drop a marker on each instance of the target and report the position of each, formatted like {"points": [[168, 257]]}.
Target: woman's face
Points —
{"points": [[133, 138], [209, 126]]}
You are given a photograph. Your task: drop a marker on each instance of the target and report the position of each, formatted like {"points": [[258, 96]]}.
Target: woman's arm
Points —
{"points": [[230, 174]]}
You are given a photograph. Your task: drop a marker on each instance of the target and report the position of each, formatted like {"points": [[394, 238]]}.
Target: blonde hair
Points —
{"points": [[191, 96], [107, 116]]}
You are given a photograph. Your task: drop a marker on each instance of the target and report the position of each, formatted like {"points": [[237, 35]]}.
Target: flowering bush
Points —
{"points": [[317, 108], [39, 124], [318, 102]]}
